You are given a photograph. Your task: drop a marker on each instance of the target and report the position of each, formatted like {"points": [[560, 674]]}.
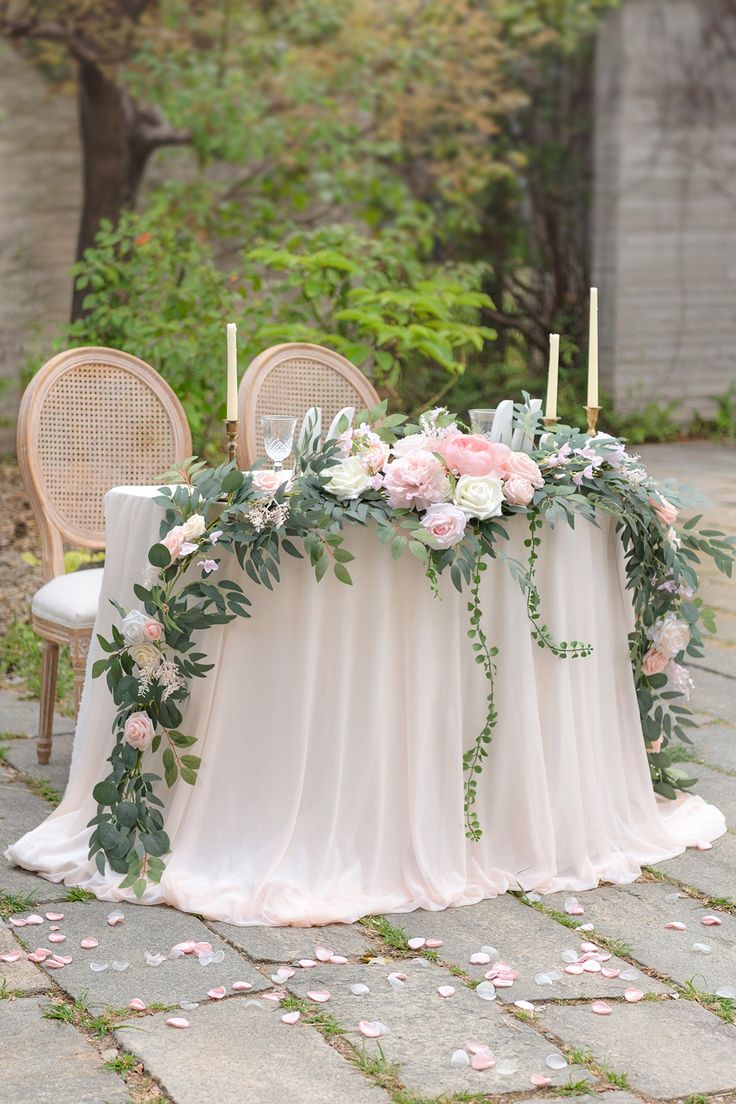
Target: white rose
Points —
{"points": [[348, 478], [670, 635], [133, 625], [194, 527], [479, 496], [144, 654]]}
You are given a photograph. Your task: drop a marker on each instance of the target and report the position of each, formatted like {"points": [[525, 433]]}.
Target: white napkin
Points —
{"points": [[347, 412], [309, 434]]}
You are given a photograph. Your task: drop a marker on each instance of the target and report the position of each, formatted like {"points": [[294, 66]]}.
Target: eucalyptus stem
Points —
{"points": [[484, 655], [541, 634]]}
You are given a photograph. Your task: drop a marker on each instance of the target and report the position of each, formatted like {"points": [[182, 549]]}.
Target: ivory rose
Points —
{"points": [[144, 655], [445, 524], [654, 662], [479, 496], [416, 481], [133, 626], [175, 541], [518, 491], [153, 630], [138, 731], [193, 527], [670, 635], [474, 454], [665, 511], [518, 463], [348, 478]]}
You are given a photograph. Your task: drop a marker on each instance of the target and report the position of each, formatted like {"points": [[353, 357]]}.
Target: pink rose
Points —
{"points": [[375, 456], [445, 524], [654, 662], [267, 480], [175, 541], [153, 630], [518, 463], [474, 454], [138, 731], [656, 745], [518, 491], [665, 511], [415, 481]]}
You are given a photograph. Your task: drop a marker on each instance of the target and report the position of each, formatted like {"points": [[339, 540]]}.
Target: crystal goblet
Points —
{"points": [[278, 437], [481, 421]]}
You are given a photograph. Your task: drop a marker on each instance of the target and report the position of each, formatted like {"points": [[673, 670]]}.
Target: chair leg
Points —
{"points": [[49, 667], [79, 666]]}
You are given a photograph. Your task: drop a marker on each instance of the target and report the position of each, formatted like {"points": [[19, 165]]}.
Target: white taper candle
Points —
{"points": [[593, 349], [554, 364], [232, 373]]}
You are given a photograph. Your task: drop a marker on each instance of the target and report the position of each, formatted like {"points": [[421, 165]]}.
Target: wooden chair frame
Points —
{"points": [[364, 394], [54, 528]]}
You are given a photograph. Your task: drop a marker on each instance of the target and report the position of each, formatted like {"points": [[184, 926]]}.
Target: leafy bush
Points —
{"points": [[20, 660]]}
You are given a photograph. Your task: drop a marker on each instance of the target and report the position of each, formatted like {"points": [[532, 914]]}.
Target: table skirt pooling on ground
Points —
{"points": [[332, 729]]}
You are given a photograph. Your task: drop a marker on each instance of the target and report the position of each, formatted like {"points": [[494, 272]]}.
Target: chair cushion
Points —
{"points": [[70, 600]]}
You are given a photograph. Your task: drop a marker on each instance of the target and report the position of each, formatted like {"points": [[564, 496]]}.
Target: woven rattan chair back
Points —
{"points": [[288, 379], [92, 419]]}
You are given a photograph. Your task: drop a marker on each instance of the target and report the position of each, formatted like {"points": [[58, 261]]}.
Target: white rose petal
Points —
{"points": [[194, 527], [132, 627], [479, 496], [348, 478]]}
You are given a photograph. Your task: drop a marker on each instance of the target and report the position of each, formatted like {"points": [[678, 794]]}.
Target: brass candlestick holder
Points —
{"points": [[550, 423], [592, 413], [231, 429]]}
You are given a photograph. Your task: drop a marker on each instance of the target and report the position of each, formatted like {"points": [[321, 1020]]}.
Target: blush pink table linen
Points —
{"points": [[332, 730]]}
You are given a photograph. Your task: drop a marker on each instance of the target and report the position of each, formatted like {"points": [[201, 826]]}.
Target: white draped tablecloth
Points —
{"points": [[332, 730]]}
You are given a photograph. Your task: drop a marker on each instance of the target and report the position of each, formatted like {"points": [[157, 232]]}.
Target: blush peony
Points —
{"points": [[416, 481], [474, 454], [138, 731], [445, 524]]}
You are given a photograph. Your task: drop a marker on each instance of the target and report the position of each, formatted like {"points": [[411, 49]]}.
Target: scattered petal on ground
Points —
{"points": [[282, 974], [154, 959], [588, 947], [319, 995], [586, 928], [711, 921], [372, 1029], [629, 975], [525, 1006], [556, 1062], [676, 925], [241, 986], [54, 915], [338, 960], [54, 963], [416, 943], [610, 971], [702, 948], [592, 966], [89, 943], [97, 967], [479, 958], [177, 1021], [63, 959], [539, 1081], [218, 993], [56, 937], [34, 919], [290, 1017], [633, 996], [116, 917], [573, 907], [306, 963], [188, 1006], [446, 991], [569, 956], [490, 951], [459, 1060], [544, 979], [11, 956], [486, 990], [727, 991], [507, 1067], [600, 1008], [119, 966], [137, 1004], [477, 1048], [359, 989], [482, 1061], [433, 944], [322, 954], [575, 968]]}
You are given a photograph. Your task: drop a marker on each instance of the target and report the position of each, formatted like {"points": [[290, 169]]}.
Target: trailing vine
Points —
{"points": [[540, 633], [484, 654]]}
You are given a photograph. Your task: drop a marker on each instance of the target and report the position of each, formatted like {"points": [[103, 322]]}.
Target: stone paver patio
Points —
{"points": [[67, 1036]]}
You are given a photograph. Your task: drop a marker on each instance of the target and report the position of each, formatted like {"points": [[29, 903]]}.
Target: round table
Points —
{"points": [[332, 729]]}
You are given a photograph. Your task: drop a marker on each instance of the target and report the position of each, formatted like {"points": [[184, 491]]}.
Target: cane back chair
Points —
{"points": [[289, 379], [90, 419]]}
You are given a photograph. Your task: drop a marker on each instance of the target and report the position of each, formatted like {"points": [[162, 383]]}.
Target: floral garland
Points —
{"points": [[444, 495]]}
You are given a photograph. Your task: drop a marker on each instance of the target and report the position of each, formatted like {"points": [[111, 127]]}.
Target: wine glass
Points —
{"points": [[278, 437], [481, 421]]}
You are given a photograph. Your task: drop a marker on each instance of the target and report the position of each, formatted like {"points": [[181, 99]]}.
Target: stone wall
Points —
{"points": [[664, 221], [40, 196]]}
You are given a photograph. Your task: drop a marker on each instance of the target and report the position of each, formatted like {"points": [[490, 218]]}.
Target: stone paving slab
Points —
{"points": [[21, 754], [608, 1098], [525, 939], [716, 743], [637, 914], [424, 1029], [48, 1062], [712, 872], [19, 716], [287, 944], [234, 1053], [714, 694], [719, 789], [21, 810], [666, 1049], [720, 655], [144, 929], [21, 975]]}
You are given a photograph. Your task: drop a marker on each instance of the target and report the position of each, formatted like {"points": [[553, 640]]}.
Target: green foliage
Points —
{"points": [[21, 652]]}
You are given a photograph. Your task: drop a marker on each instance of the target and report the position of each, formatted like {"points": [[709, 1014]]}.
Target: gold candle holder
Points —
{"points": [[231, 429], [592, 413], [550, 423]]}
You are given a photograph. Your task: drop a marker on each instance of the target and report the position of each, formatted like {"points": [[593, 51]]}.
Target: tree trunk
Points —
{"points": [[114, 155]]}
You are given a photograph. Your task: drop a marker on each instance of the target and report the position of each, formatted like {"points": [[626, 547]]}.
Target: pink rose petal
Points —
{"points": [[34, 918], [283, 974], [177, 1021], [396, 976], [137, 1004], [89, 943], [592, 966], [202, 948], [290, 1017], [446, 991], [322, 954], [64, 959], [477, 1048], [241, 986], [676, 925], [276, 996], [370, 1028], [56, 937], [218, 993], [525, 1006], [36, 957], [306, 963], [10, 956], [54, 927], [319, 995], [416, 942], [187, 947], [539, 1081], [433, 944], [610, 971], [54, 963], [482, 1061], [501, 982], [338, 960], [116, 917], [588, 947], [633, 995], [575, 968], [17, 922], [479, 958], [600, 1008], [54, 915], [711, 921]]}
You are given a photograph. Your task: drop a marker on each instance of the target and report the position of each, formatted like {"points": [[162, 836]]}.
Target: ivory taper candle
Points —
{"points": [[232, 373], [554, 364], [593, 349]]}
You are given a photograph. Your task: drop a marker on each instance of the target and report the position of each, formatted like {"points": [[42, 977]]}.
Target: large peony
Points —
{"points": [[665, 511], [416, 481], [348, 478], [134, 627], [138, 731], [518, 463], [445, 524], [193, 527], [410, 443], [518, 491], [670, 635], [479, 496], [474, 454]]}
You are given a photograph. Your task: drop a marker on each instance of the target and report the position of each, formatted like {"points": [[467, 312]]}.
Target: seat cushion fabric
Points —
{"points": [[70, 600]]}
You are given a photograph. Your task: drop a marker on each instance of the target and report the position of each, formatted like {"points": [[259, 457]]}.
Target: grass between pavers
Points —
{"points": [[579, 1056], [11, 903], [726, 904]]}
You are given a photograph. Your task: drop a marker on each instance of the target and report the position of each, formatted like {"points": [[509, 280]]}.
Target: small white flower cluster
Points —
{"points": [[165, 673], [264, 513]]}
